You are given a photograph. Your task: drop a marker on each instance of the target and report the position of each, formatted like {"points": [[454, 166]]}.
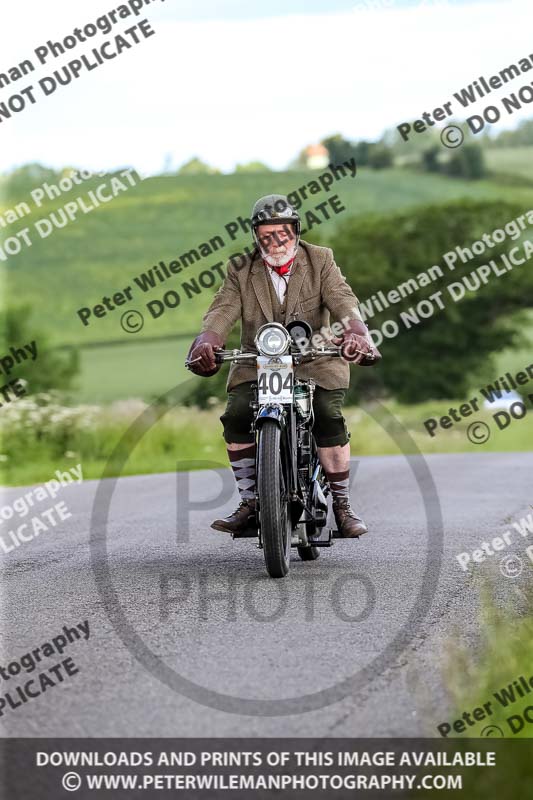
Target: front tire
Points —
{"points": [[276, 531]]}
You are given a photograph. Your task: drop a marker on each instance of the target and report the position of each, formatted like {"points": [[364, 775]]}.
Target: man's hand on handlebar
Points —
{"points": [[201, 356], [356, 345]]}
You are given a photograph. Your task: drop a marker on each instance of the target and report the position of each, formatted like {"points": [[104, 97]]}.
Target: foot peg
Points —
{"points": [[246, 533]]}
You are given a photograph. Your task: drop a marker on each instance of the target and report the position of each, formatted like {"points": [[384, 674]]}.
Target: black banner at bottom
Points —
{"points": [[50, 769]]}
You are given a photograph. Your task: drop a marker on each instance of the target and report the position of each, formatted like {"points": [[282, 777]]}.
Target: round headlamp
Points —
{"points": [[272, 340]]}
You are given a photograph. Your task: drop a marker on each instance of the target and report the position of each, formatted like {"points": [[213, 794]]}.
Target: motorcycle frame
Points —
{"points": [[286, 417]]}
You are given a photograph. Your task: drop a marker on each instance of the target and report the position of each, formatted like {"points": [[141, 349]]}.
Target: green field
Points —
{"points": [[160, 219], [145, 370], [164, 217], [511, 161]]}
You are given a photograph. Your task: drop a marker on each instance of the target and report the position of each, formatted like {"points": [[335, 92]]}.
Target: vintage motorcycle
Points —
{"points": [[292, 489]]}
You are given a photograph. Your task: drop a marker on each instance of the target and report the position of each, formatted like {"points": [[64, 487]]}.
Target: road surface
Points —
{"points": [[189, 637]]}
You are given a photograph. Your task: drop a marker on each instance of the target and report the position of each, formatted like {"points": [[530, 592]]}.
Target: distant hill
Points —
{"points": [[164, 217], [515, 161]]}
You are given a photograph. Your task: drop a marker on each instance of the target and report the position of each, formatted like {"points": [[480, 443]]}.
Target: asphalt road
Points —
{"points": [[189, 637]]}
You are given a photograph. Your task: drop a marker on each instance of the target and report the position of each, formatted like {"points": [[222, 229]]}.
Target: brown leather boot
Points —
{"points": [[349, 525], [243, 517]]}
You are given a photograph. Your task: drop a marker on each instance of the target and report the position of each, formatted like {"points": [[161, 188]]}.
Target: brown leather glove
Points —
{"points": [[356, 345], [201, 355]]}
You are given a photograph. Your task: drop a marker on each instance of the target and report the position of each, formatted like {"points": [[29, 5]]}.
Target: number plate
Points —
{"points": [[275, 378]]}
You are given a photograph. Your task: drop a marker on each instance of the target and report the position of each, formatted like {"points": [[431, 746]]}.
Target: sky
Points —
{"points": [[250, 81]]}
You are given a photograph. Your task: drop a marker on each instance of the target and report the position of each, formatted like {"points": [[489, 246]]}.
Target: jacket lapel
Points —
{"points": [[260, 284], [296, 281]]}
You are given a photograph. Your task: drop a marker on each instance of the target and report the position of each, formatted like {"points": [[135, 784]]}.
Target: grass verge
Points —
{"points": [[51, 436]]}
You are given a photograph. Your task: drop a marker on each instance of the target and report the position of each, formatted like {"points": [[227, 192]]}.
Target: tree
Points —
{"points": [[438, 357], [339, 149], [468, 161], [380, 156], [196, 167], [252, 166], [430, 159], [414, 144], [362, 153], [20, 181]]}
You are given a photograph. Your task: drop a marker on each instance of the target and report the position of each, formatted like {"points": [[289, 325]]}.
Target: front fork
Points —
{"points": [[285, 417]]}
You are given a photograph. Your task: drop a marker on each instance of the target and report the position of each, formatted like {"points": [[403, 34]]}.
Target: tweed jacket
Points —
{"points": [[316, 289]]}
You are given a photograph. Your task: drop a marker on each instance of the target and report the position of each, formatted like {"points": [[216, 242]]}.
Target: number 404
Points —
{"points": [[273, 382]]}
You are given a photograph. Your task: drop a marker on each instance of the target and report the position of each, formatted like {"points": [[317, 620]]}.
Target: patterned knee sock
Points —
{"points": [[339, 483], [243, 465]]}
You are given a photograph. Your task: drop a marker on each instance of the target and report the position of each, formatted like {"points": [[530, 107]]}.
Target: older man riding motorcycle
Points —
{"points": [[283, 279]]}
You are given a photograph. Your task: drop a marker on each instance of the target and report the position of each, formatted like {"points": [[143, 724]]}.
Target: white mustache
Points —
{"points": [[279, 254]]}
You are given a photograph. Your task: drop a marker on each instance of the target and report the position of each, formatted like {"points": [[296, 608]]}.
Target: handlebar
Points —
{"points": [[298, 356], [239, 356]]}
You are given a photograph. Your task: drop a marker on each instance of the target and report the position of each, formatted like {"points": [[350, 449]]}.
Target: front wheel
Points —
{"points": [[274, 515]]}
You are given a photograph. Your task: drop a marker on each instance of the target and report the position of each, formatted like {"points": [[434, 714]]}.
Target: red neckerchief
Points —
{"points": [[283, 269]]}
